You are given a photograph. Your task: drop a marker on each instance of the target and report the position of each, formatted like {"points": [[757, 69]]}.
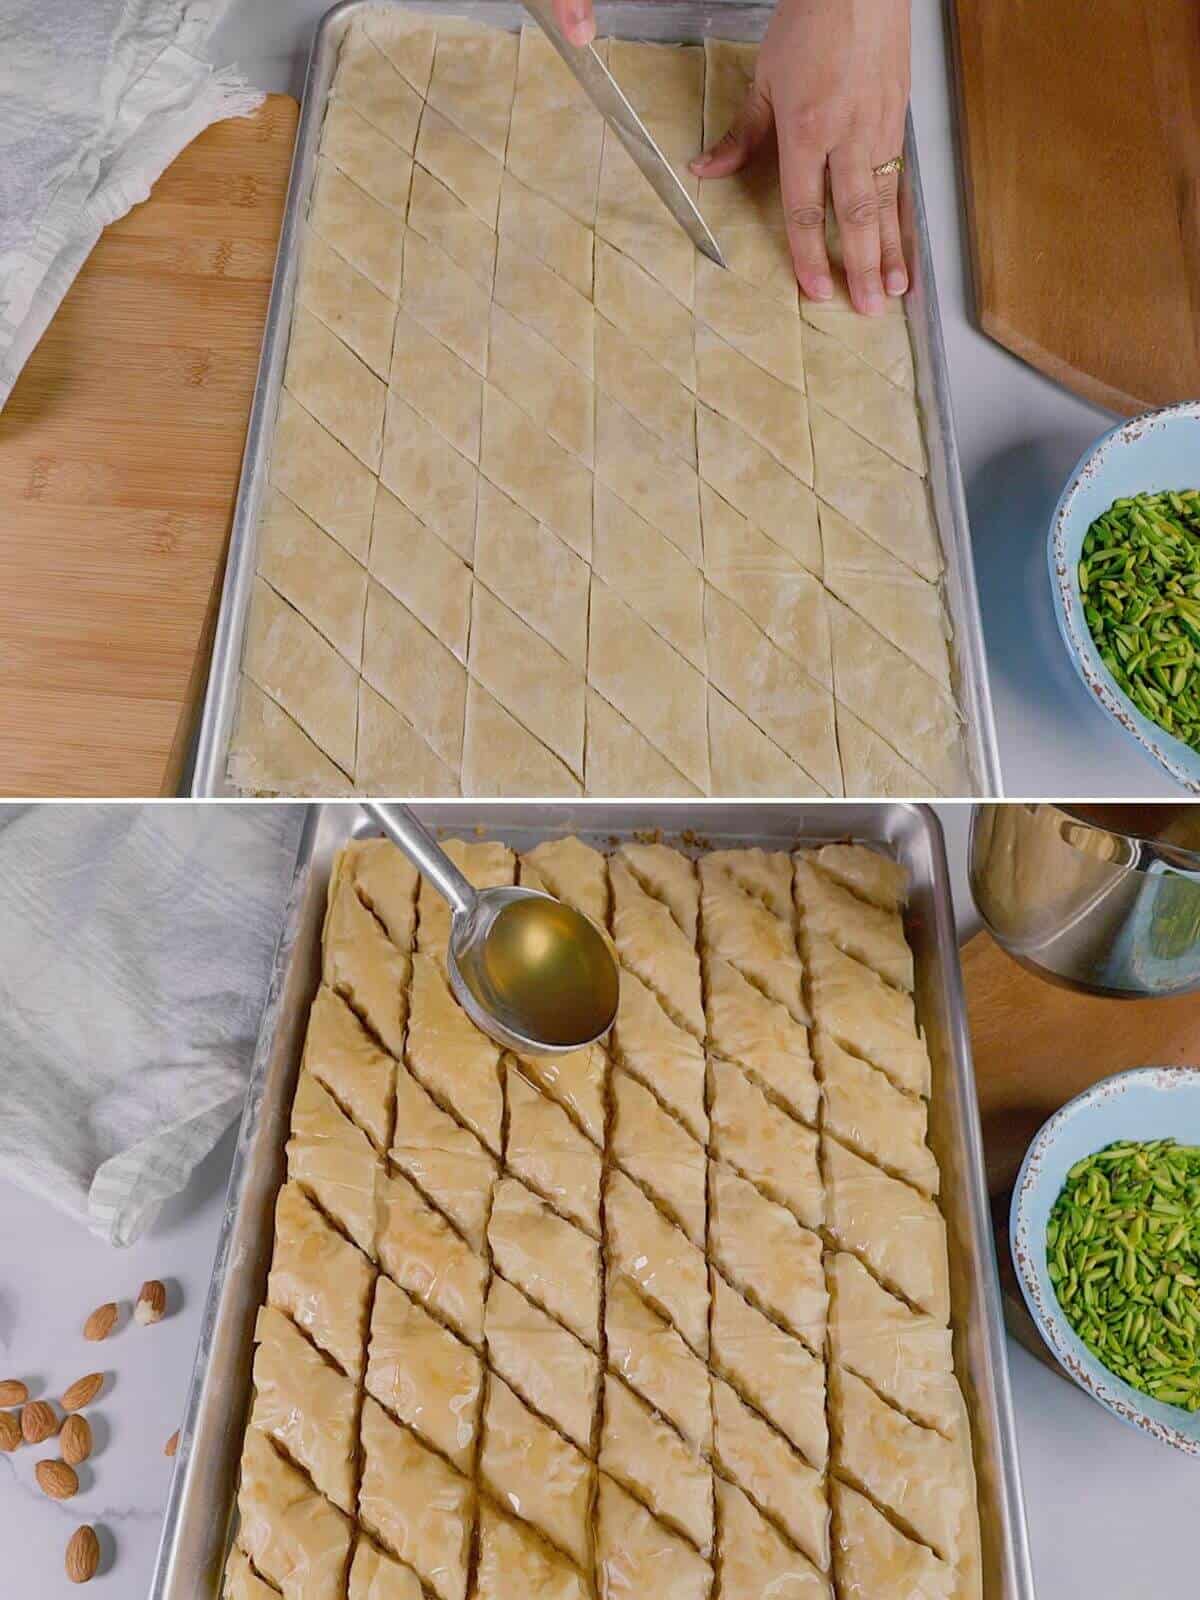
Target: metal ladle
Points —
{"points": [[529, 970]]}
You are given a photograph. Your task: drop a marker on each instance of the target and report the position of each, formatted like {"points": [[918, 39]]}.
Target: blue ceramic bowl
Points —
{"points": [[1149, 1103], [1160, 450]]}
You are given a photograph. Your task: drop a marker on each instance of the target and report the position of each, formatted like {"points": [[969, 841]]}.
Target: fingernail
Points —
{"points": [[897, 281], [821, 288], [698, 163], [583, 28]]}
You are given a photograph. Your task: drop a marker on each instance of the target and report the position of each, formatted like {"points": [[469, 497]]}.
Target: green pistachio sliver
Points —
{"points": [[1123, 1257]]}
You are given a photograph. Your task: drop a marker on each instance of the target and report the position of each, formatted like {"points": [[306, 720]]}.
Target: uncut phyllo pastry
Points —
{"points": [[668, 1316]]}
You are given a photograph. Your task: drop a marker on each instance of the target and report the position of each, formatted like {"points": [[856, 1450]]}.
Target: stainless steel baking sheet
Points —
{"points": [[200, 1506], [664, 21]]}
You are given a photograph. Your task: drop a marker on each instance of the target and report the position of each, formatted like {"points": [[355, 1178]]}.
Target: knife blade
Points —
{"points": [[605, 93]]}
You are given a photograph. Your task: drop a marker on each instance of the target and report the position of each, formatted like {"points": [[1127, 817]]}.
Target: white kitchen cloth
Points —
{"points": [[97, 97], [136, 945]]}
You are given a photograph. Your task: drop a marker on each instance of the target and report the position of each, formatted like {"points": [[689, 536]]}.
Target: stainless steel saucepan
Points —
{"points": [[1102, 898]]}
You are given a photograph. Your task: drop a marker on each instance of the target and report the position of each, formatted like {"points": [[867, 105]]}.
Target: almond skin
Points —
{"points": [[38, 1422], [13, 1392], [75, 1440], [172, 1444], [82, 1392], [151, 1303], [10, 1431], [101, 1322], [56, 1479], [83, 1555]]}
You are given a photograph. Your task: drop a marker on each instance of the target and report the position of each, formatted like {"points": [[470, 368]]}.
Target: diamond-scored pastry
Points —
{"points": [[638, 1555], [764, 1251], [866, 932], [442, 1157], [912, 1471], [752, 937], [366, 968], [512, 1560], [762, 1463], [320, 1279], [449, 1055], [868, 1113], [335, 1161], [386, 881], [576, 1082], [654, 1360], [872, 876], [898, 1232], [904, 1354], [423, 1374], [422, 1252], [534, 1472], [660, 1154], [496, 321], [376, 1576], [571, 871], [550, 1155], [771, 1369], [658, 1257], [293, 1535], [650, 1460], [867, 1016], [656, 949], [765, 1144], [242, 1583], [555, 1374], [756, 1561], [871, 1556], [488, 864], [341, 1054], [414, 1502], [306, 1405], [761, 1035], [554, 1262]]}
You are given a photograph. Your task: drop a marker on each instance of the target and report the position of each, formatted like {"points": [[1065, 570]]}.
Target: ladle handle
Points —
{"points": [[425, 853]]}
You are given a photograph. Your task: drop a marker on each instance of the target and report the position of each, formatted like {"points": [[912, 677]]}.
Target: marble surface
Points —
{"points": [[1019, 437], [1110, 1513]]}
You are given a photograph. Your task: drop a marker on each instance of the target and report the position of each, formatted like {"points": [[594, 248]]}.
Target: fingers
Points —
{"points": [[575, 19], [802, 182], [891, 250], [732, 151], [856, 206]]}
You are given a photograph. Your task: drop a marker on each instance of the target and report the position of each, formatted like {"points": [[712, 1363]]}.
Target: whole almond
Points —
{"points": [[82, 1392], [56, 1479], [75, 1440], [83, 1555], [151, 1303], [172, 1444], [13, 1392], [38, 1422], [10, 1430], [101, 1322]]}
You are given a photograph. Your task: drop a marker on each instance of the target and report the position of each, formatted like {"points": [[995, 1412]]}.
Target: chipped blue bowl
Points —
{"points": [[1147, 1103], [1160, 450]]}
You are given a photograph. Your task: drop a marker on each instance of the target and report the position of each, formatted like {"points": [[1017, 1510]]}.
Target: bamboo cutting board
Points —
{"points": [[119, 454], [1036, 1046], [1081, 135]]}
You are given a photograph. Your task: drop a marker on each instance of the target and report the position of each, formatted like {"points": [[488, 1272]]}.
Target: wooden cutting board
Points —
{"points": [[119, 456], [1036, 1046], [1080, 126]]}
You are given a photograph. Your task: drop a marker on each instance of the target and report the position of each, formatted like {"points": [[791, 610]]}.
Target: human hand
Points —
{"points": [[575, 19], [831, 85]]}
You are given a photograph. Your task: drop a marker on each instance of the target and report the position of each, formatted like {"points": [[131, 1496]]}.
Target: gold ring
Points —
{"points": [[886, 168]]}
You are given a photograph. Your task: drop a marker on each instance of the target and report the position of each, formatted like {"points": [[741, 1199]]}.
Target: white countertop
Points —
{"points": [[1110, 1513]]}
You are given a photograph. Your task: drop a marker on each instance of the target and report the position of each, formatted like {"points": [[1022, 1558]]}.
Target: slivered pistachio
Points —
{"points": [[1139, 579], [1125, 1262]]}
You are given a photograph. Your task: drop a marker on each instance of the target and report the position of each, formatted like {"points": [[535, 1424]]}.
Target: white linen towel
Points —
{"points": [[97, 97], [136, 945]]}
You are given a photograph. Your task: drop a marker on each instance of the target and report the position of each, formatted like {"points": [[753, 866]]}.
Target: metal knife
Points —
{"points": [[603, 90]]}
